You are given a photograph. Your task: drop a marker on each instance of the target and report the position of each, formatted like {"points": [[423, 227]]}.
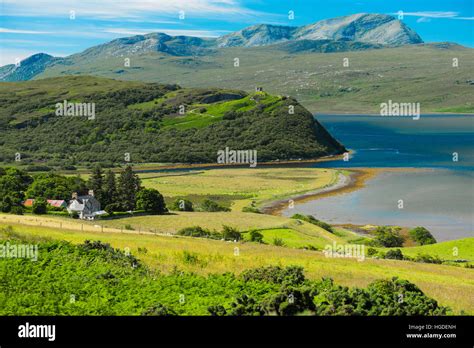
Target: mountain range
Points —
{"points": [[348, 64], [363, 27], [354, 32]]}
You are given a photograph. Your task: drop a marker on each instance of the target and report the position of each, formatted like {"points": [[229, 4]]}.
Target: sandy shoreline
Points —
{"points": [[345, 183]]}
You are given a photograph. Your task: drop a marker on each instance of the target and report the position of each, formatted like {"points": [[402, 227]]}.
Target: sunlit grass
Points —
{"points": [[449, 285]]}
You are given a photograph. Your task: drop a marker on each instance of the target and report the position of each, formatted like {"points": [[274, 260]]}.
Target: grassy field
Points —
{"points": [[447, 284], [203, 115], [292, 238], [417, 73], [461, 249], [255, 184], [153, 239]]}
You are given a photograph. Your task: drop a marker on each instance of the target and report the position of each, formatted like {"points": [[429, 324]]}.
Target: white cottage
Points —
{"points": [[88, 207]]}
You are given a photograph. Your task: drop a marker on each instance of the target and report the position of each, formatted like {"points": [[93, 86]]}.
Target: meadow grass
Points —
{"points": [[256, 184], [460, 249], [449, 285], [212, 113], [290, 237]]}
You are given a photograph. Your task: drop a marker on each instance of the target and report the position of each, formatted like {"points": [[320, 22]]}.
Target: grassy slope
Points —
{"points": [[213, 113], [449, 285], [449, 250], [124, 125], [319, 81]]}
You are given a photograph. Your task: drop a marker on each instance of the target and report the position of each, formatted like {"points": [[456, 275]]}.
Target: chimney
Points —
{"points": [[91, 193], [74, 195]]}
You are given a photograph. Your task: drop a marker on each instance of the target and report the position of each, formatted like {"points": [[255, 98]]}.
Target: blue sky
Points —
{"points": [[32, 26]]}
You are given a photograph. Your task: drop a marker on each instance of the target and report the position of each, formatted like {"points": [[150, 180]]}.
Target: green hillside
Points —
{"points": [[416, 73], [153, 123], [202, 274]]}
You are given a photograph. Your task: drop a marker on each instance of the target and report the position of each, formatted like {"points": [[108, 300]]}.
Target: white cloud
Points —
{"points": [[15, 31], [432, 14], [426, 15], [114, 9], [423, 20]]}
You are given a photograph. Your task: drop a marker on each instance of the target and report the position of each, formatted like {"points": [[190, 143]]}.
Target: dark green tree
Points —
{"points": [[395, 254], [211, 206], [96, 183], [231, 233], [389, 237], [422, 236], [13, 183], [53, 186], [127, 189], [6, 204], [40, 206], [151, 201], [109, 189], [256, 236]]}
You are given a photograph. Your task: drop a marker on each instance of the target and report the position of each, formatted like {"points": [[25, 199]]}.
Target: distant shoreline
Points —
{"points": [[345, 183]]}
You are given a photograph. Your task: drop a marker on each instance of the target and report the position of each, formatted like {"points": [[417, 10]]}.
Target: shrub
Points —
{"points": [[6, 204], [292, 275], [278, 242], [395, 254], [312, 220], [159, 310], [129, 227], [428, 259], [112, 207], [39, 206], [246, 305], [388, 237], [182, 205], [371, 252], [399, 297], [18, 210], [217, 310], [190, 258], [194, 231], [256, 236], [422, 236], [231, 233], [251, 210], [212, 206], [38, 168]]}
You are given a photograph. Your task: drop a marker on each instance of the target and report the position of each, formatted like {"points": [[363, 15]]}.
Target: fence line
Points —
{"points": [[83, 227]]}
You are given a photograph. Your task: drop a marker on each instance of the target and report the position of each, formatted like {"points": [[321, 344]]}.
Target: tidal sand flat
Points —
{"points": [[439, 197]]}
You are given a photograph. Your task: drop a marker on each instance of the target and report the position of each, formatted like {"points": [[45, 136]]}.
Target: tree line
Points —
{"points": [[124, 193]]}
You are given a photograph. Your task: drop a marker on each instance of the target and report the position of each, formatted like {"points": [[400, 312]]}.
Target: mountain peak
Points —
{"points": [[28, 67], [257, 35], [372, 28]]}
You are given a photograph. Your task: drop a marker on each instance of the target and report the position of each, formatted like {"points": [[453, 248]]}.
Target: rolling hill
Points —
{"points": [[152, 123]]}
